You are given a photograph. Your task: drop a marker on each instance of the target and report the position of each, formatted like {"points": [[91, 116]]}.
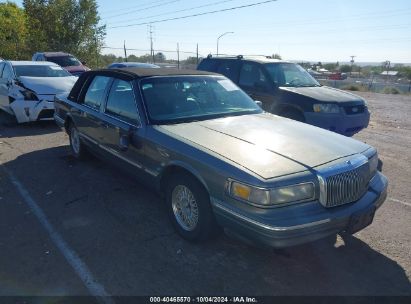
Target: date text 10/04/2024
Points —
{"points": [[203, 300]]}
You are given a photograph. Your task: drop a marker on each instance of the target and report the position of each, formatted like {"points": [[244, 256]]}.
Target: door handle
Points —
{"points": [[124, 142]]}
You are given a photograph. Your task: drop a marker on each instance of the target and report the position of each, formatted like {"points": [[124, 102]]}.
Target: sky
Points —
{"points": [[314, 30]]}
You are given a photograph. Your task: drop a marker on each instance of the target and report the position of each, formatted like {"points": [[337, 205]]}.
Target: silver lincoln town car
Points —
{"points": [[219, 160]]}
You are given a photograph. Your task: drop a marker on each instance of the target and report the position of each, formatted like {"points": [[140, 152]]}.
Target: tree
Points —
{"points": [[105, 60], [330, 66], [192, 60], [345, 68], [405, 71], [13, 32], [305, 65], [65, 25], [159, 57]]}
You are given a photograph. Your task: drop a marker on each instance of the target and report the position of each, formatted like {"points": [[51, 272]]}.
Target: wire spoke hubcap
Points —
{"points": [[185, 207]]}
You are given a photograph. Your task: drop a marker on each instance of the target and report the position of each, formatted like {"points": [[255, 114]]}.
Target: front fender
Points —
{"points": [[180, 165]]}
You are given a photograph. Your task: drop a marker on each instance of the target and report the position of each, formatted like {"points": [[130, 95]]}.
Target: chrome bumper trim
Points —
{"points": [[265, 226]]}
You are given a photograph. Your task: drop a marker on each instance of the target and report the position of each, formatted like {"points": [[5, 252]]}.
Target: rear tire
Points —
{"points": [[189, 208], [77, 147]]}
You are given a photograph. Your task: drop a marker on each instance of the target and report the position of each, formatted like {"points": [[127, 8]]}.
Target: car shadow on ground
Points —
{"points": [[10, 128], [137, 245]]}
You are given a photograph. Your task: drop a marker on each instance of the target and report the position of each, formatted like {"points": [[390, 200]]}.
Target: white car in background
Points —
{"points": [[27, 88]]}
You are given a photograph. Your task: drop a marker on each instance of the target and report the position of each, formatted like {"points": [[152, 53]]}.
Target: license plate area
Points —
{"points": [[360, 220]]}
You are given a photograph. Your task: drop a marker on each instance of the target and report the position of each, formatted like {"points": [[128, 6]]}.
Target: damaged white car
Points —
{"points": [[27, 88]]}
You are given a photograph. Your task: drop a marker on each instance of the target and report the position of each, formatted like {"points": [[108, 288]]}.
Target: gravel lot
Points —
{"points": [[121, 234]]}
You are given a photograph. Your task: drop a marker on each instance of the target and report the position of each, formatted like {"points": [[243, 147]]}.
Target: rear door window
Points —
{"points": [[229, 68], [96, 92], [208, 65], [121, 103]]}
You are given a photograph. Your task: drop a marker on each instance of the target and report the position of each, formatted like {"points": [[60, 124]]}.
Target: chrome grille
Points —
{"points": [[344, 184]]}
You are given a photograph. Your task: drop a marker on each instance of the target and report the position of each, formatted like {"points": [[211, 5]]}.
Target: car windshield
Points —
{"points": [[290, 75], [64, 61], [40, 71], [177, 99]]}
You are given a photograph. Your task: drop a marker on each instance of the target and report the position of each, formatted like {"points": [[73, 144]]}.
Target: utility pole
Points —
{"points": [[197, 53], [125, 51], [178, 55], [352, 63], [150, 31]]}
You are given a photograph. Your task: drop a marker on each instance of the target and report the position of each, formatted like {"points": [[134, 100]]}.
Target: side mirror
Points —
{"points": [[83, 63], [127, 138], [259, 103]]}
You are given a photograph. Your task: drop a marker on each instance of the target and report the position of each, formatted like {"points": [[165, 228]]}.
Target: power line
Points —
{"points": [[334, 42], [131, 7], [388, 27], [334, 20], [141, 9], [142, 50], [196, 15], [173, 12]]}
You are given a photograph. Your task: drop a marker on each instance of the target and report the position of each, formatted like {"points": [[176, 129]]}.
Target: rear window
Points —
{"points": [[40, 71], [64, 61], [229, 68]]}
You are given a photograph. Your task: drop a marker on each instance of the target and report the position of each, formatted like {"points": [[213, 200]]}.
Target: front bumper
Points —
{"points": [[340, 123], [300, 223], [32, 110]]}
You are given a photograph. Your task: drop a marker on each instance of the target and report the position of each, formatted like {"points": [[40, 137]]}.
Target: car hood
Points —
{"points": [[266, 144], [324, 94], [48, 85]]}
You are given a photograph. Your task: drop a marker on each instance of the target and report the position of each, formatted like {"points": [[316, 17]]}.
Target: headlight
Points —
{"points": [[28, 95], [293, 193], [270, 197], [250, 193], [326, 108], [373, 163]]}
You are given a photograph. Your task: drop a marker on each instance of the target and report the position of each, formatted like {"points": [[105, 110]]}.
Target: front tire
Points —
{"points": [[77, 147], [189, 208]]}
